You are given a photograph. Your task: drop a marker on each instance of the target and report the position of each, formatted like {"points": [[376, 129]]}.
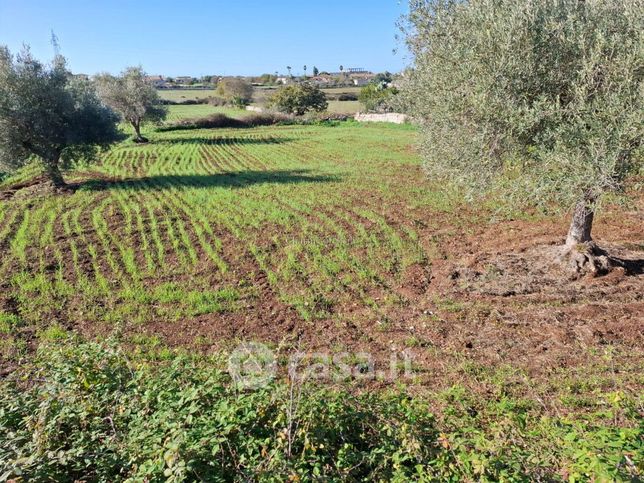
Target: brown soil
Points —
{"points": [[491, 294], [494, 296]]}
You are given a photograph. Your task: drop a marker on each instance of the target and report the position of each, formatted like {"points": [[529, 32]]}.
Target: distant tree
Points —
{"points": [[377, 97], [541, 100], [298, 99], [288, 67], [267, 79], [341, 68], [46, 112], [236, 91], [305, 70], [316, 72], [132, 97], [383, 78]]}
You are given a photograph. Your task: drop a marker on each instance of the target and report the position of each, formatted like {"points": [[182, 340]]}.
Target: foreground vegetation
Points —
{"points": [[89, 412]]}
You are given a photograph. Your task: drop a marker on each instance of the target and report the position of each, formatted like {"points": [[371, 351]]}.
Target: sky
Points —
{"points": [[199, 37]]}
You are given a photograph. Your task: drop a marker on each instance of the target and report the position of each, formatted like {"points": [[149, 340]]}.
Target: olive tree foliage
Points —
{"points": [[136, 100], [47, 113], [540, 100], [298, 99]]}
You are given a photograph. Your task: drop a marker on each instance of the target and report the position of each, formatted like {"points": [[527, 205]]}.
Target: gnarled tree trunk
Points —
{"points": [[583, 255], [137, 129], [582, 222]]}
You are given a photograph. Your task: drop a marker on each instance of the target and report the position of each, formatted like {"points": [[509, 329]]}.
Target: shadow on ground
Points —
{"points": [[230, 179]]}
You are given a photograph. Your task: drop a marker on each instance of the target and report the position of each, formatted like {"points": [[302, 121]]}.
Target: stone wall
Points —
{"points": [[394, 117]]}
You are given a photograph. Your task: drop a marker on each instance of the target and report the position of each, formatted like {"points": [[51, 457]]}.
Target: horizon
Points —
{"points": [[172, 40]]}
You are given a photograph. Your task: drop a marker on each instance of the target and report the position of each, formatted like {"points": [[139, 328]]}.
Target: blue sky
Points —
{"points": [[199, 37]]}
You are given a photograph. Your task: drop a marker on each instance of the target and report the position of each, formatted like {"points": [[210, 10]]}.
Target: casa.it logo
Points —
{"points": [[252, 365]]}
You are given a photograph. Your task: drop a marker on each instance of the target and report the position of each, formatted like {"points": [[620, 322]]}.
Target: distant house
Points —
{"points": [[157, 81], [283, 80], [183, 80], [320, 80]]}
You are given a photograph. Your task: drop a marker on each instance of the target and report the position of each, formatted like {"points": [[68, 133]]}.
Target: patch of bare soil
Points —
{"points": [[540, 269], [500, 295], [39, 185]]}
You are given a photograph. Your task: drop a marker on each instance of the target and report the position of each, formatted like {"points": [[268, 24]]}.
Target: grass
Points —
{"points": [[180, 95], [277, 195]]}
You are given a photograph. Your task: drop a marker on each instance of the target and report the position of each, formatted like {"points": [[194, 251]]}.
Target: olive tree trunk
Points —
{"points": [[137, 129], [582, 222], [52, 169]]}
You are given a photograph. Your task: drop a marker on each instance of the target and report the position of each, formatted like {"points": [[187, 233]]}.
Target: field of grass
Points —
{"points": [[180, 95], [345, 107], [275, 191], [320, 238], [176, 113]]}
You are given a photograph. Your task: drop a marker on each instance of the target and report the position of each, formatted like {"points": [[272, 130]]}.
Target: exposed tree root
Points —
{"points": [[587, 259]]}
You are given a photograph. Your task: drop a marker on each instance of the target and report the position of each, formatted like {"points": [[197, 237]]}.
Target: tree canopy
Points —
{"points": [[132, 97], [298, 99], [236, 91], [48, 113], [539, 99]]}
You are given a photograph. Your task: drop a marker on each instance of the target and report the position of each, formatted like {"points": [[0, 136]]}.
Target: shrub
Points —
{"points": [[325, 117], [186, 102], [211, 121], [219, 120], [347, 97], [266, 119], [89, 413], [298, 99]]}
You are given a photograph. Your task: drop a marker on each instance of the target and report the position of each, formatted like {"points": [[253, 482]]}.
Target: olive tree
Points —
{"points": [[537, 99], [298, 99], [136, 100], [47, 113]]}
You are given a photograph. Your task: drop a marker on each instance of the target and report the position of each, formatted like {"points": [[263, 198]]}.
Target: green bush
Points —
{"points": [[88, 413], [376, 97]]}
